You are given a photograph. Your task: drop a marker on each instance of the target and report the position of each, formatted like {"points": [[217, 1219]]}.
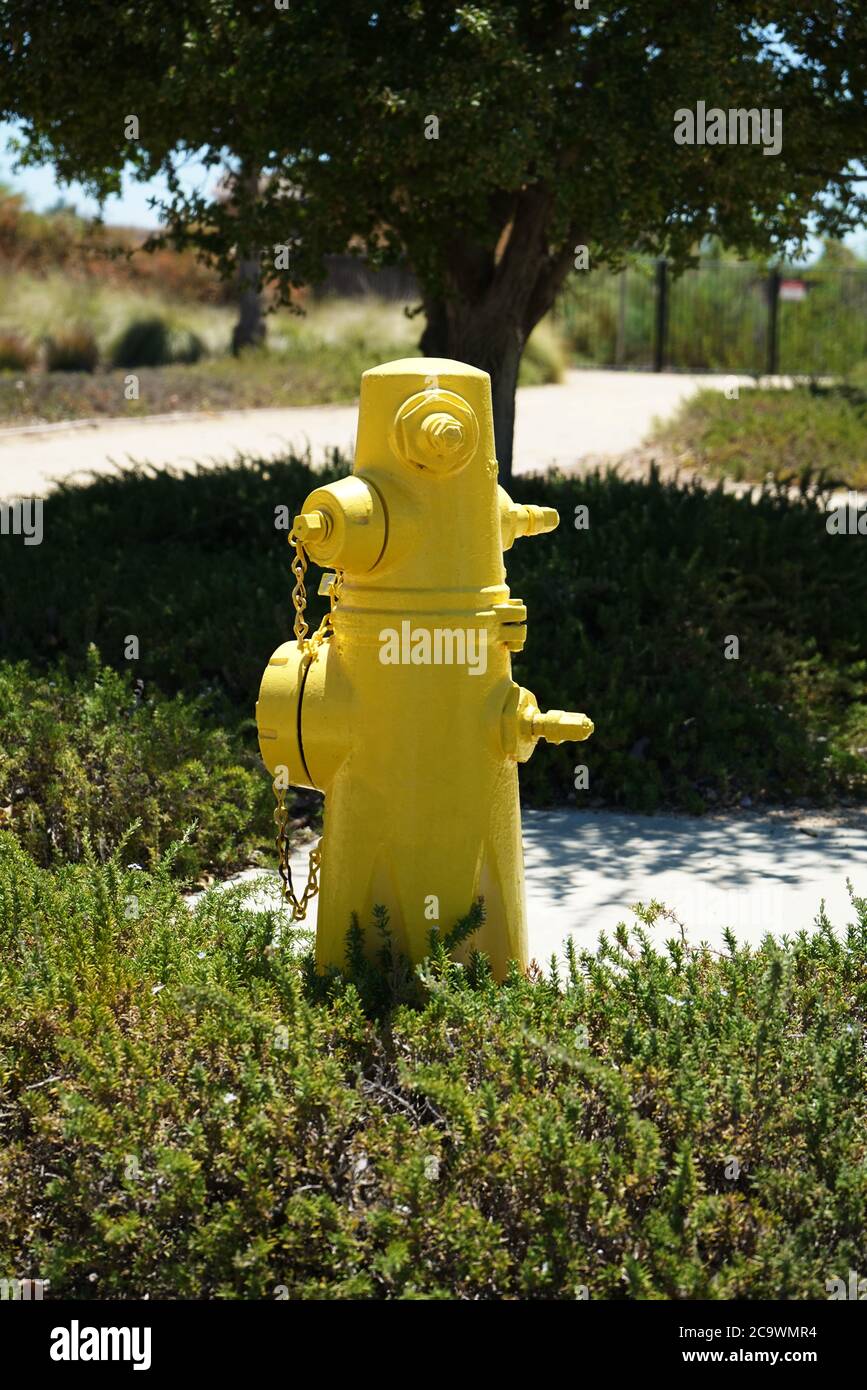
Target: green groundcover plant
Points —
{"points": [[187, 1111], [81, 755]]}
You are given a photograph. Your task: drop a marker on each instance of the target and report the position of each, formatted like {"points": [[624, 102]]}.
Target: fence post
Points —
{"points": [[660, 331], [773, 362], [620, 341]]}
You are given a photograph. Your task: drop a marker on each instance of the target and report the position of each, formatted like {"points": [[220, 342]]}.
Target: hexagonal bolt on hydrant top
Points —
{"points": [[406, 715]]}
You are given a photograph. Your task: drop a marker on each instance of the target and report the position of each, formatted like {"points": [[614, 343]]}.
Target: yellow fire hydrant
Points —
{"points": [[402, 708]]}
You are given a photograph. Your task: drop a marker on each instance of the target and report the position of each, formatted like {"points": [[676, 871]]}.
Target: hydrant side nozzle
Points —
{"points": [[342, 525], [517, 520], [522, 724], [560, 726], [541, 520]]}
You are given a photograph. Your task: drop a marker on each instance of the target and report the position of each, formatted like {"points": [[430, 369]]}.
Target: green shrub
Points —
{"points": [[71, 350], [810, 433], [81, 758], [857, 375], [544, 359], [183, 1118], [154, 342], [628, 620], [16, 353]]}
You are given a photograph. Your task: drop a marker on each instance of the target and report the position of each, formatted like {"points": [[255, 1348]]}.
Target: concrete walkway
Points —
{"points": [[593, 413], [754, 873]]}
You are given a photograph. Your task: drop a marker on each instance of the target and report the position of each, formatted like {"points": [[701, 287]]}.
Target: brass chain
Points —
{"points": [[299, 601], [287, 890], [281, 815]]}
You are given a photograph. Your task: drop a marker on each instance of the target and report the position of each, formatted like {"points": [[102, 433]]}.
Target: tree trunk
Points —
{"points": [[504, 384], [496, 350], [492, 301], [249, 331]]}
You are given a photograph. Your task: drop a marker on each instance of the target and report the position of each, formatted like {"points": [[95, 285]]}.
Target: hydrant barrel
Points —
{"points": [[406, 716]]}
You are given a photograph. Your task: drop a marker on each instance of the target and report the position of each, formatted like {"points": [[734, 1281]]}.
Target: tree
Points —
{"points": [[483, 143], [249, 331]]}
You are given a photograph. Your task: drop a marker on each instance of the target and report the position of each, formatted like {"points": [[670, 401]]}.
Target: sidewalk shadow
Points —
{"points": [[723, 853]]}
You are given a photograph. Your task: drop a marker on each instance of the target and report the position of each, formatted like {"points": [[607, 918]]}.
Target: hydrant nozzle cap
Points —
{"points": [[536, 521], [560, 726], [311, 526]]}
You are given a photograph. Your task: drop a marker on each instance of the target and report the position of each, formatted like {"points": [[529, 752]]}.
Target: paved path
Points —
{"points": [[754, 873], [593, 413]]}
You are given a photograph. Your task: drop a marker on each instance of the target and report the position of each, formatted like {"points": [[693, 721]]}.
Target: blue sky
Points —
{"points": [[41, 188]]}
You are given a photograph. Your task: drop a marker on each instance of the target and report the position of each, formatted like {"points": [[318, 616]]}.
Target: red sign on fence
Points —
{"points": [[793, 290]]}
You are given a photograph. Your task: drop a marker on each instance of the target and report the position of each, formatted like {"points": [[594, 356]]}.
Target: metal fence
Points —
{"points": [[350, 277], [721, 316]]}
